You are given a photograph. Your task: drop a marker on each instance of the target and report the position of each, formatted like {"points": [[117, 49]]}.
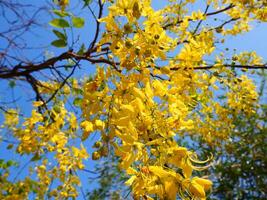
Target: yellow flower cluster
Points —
{"points": [[155, 90], [46, 133]]}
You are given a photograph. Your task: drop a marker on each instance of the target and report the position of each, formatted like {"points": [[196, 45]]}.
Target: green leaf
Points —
{"points": [[36, 157], [78, 91], [78, 22], [10, 146], [59, 43], [9, 163], [82, 50], [86, 3], [59, 23], [61, 13], [222, 97], [57, 109], [12, 84], [2, 163], [77, 102], [60, 35]]}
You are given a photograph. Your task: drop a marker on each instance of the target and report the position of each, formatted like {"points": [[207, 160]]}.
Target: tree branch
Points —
{"points": [[205, 14], [224, 65], [24, 70], [97, 32]]}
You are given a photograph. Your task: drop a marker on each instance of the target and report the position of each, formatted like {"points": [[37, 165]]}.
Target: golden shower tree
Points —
{"points": [[159, 75]]}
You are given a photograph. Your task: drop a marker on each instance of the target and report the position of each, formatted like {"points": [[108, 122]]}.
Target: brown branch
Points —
{"points": [[158, 77], [97, 31], [220, 11], [199, 23], [62, 84], [224, 65], [205, 14], [24, 70], [223, 24]]}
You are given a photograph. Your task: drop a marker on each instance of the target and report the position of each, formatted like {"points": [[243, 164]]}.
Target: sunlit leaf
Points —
{"points": [[78, 22], [59, 23], [59, 43]]}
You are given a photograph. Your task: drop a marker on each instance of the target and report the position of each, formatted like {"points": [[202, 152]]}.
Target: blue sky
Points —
{"points": [[254, 40]]}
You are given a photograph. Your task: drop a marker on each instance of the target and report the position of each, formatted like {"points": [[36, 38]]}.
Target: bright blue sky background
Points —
{"points": [[255, 40]]}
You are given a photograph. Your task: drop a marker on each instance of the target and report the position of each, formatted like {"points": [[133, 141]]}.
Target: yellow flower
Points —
{"points": [[37, 103], [203, 182], [197, 190], [87, 126], [63, 4], [11, 118]]}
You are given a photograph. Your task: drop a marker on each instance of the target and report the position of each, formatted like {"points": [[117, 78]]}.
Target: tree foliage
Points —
{"points": [[160, 76], [239, 171]]}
